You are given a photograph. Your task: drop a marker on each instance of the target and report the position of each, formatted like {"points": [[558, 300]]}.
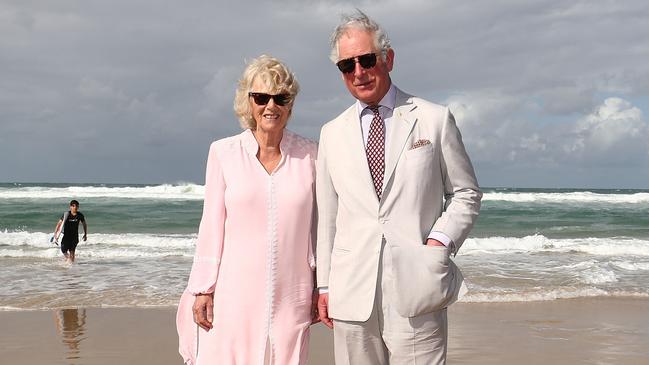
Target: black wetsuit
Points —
{"points": [[71, 232]]}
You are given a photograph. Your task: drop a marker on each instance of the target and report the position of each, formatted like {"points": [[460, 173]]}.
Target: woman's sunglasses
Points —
{"points": [[263, 98], [348, 65]]}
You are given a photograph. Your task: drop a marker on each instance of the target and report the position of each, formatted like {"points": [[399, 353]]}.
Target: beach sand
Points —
{"points": [[575, 331]]}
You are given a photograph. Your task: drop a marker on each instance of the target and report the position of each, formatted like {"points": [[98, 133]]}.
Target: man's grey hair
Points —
{"points": [[359, 20]]}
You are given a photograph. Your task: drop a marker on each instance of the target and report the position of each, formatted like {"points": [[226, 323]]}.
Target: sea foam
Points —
{"points": [[610, 246], [99, 245], [567, 197], [189, 191], [155, 192], [547, 295]]}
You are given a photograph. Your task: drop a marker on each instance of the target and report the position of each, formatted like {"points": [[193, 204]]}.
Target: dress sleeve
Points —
{"points": [[209, 246]]}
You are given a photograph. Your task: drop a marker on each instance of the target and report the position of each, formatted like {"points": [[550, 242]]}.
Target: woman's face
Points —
{"points": [[270, 117]]}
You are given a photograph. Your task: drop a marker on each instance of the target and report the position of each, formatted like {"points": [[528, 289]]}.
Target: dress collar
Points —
{"points": [[249, 142]]}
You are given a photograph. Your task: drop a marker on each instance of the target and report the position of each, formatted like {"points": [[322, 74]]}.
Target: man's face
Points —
{"points": [[366, 85], [73, 208]]}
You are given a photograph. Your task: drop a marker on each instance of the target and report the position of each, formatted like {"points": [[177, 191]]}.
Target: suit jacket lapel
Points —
{"points": [[401, 126]]}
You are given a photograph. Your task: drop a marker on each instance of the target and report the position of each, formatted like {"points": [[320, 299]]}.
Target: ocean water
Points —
{"points": [[528, 245]]}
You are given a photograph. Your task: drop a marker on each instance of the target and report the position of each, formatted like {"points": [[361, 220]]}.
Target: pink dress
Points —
{"points": [[255, 252]]}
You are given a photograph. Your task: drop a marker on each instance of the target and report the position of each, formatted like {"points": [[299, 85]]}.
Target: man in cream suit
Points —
{"points": [[396, 196]]}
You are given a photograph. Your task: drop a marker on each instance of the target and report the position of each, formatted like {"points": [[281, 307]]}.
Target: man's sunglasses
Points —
{"points": [[263, 98], [348, 65]]}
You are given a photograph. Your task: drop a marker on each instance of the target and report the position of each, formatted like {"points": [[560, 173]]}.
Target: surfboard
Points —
{"points": [[61, 229]]}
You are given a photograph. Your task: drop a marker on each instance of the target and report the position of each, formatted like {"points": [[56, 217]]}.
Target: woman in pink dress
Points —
{"points": [[249, 299]]}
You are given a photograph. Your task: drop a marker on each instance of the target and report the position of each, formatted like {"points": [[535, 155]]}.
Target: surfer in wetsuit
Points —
{"points": [[70, 230]]}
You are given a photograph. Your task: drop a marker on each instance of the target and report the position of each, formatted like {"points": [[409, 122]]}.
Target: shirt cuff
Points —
{"points": [[441, 237], [323, 290]]}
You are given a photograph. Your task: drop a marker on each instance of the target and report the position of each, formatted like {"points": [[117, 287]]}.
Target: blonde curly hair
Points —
{"points": [[274, 74]]}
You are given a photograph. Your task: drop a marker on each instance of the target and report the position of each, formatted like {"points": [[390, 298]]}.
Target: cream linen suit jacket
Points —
{"points": [[432, 186]]}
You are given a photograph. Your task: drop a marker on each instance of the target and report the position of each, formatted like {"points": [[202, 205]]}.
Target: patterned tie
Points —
{"points": [[375, 150]]}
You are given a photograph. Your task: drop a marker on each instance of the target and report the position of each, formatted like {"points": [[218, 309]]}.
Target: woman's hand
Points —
{"points": [[203, 310]]}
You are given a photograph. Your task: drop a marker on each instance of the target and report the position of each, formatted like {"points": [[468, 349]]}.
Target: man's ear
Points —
{"points": [[389, 59]]}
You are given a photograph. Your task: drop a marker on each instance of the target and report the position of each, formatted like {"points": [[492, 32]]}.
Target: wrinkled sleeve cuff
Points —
{"points": [[202, 279], [441, 237]]}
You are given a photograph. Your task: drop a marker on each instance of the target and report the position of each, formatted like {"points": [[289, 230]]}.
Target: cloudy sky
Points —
{"points": [[546, 93]]}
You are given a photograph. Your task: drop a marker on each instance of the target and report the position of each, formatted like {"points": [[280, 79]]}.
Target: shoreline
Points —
{"points": [[564, 331]]}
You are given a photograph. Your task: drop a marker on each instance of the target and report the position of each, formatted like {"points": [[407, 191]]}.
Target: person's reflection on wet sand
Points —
{"points": [[70, 324]]}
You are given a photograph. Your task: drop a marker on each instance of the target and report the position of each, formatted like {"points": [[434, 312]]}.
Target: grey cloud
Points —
{"points": [[567, 100], [135, 91], [614, 134]]}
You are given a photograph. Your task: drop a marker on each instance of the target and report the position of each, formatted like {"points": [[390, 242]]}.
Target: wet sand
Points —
{"points": [[577, 331]]}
